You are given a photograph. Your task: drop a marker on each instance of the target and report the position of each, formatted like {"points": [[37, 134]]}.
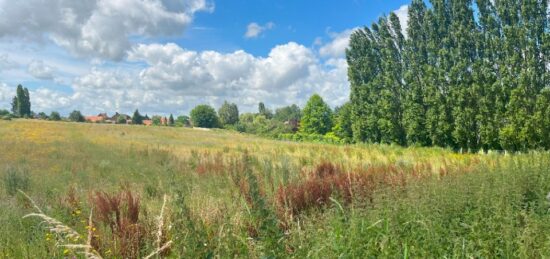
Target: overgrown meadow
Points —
{"points": [[116, 191]]}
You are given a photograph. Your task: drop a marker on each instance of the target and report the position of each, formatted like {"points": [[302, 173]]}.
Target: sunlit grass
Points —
{"points": [[441, 208]]}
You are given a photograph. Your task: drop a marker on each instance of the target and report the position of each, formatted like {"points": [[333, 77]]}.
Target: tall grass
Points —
{"points": [[237, 196]]}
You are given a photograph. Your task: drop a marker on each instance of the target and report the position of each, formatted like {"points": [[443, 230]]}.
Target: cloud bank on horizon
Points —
{"points": [[119, 55]]}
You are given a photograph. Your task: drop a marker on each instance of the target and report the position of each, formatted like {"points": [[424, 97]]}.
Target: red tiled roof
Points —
{"points": [[95, 118]]}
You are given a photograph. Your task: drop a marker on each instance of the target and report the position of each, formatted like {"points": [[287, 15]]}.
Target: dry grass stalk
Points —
{"points": [[65, 232], [160, 250], [160, 224]]}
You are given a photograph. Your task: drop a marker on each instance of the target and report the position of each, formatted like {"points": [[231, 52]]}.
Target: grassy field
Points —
{"points": [[234, 195]]}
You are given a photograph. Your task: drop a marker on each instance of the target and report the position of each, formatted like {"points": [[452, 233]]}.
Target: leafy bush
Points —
{"points": [[328, 138], [15, 179]]}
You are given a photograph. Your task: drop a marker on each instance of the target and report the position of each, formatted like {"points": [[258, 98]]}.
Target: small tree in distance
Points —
{"points": [[204, 116], [54, 116], [171, 121], [137, 119], [183, 121], [76, 116], [229, 113], [317, 116]]}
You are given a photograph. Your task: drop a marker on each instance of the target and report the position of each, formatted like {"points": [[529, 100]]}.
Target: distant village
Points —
{"points": [[119, 118]]}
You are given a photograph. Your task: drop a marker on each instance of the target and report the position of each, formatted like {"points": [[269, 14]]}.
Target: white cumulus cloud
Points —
{"points": [[39, 70], [96, 28], [403, 15], [336, 48]]}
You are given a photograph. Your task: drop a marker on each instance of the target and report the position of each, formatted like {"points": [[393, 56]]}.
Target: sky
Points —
{"points": [[167, 56]]}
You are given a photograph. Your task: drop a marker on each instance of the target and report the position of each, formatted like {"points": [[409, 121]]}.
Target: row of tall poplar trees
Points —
{"points": [[465, 74]]}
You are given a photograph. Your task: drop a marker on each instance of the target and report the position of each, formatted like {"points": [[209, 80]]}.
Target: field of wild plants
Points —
{"points": [[115, 191]]}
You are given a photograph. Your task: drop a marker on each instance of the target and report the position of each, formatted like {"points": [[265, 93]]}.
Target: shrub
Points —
{"points": [[328, 138], [16, 179]]}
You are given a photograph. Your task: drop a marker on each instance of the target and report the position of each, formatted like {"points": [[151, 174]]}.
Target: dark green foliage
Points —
{"points": [[262, 110], [42, 116], [21, 103], [4, 112], [54, 116], [317, 116], [76, 116], [171, 121], [204, 116], [156, 120], [342, 123], [183, 121], [121, 120], [137, 119], [288, 113], [260, 125], [469, 75], [228, 113]]}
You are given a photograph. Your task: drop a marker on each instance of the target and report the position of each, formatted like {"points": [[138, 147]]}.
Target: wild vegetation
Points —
{"points": [[467, 76], [99, 189]]}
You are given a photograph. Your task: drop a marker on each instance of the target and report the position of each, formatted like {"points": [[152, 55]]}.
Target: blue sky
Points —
{"points": [[166, 56], [300, 21]]}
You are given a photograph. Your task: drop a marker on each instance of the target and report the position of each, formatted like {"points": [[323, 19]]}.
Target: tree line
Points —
{"points": [[467, 74]]}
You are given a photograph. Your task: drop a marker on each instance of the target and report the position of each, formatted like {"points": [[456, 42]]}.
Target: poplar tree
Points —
{"points": [[469, 75]]}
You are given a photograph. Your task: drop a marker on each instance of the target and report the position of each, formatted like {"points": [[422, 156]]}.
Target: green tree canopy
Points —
{"points": [[469, 75], [317, 116], [288, 113], [54, 116], [342, 122], [204, 116], [137, 118], [183, 121], [262, 110], [76, 116], [21, 103], [171, 121], [229, 113]]}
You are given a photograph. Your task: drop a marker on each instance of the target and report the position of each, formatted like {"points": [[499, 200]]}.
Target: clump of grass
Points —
{"points": [[16, 179], [263, 224]]}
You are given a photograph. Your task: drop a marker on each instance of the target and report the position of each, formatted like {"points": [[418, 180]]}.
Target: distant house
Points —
{"points": [[163, 121], [117, 115], [293, 124], [102, 117]]}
